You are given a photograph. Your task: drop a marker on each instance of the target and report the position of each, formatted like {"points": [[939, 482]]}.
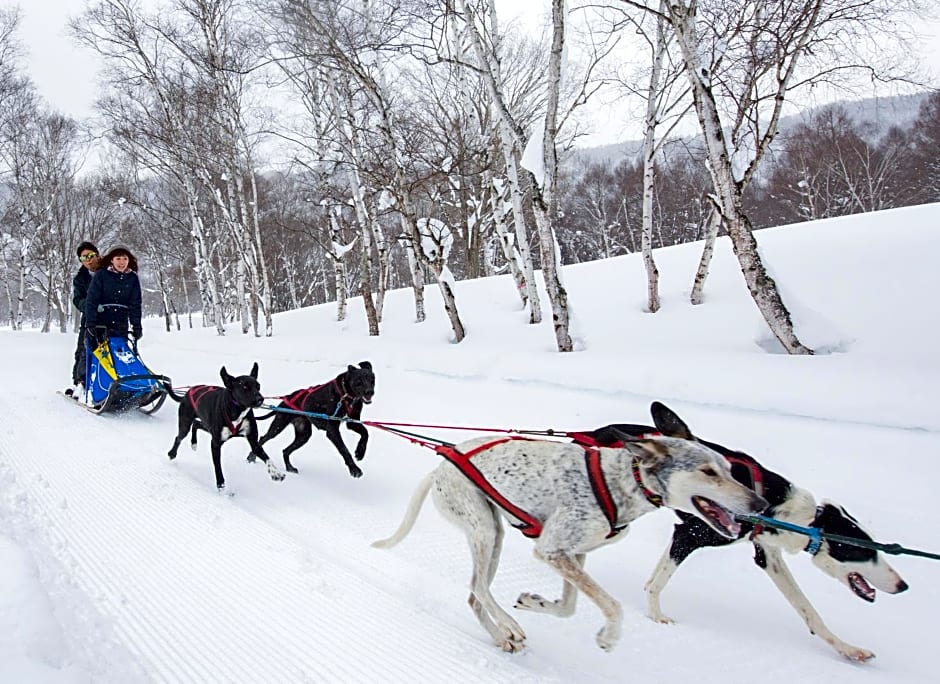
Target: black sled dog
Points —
{"points": [[860, 569], [341, 398], [223, 412]]}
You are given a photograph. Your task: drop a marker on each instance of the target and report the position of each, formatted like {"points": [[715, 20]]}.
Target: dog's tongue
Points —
{"points": [[861, 588], [720, 516]]}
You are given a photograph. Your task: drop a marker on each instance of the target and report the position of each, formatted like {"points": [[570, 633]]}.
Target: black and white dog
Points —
{"points": [[572, 499], [223, 412], [860, 569], [336, 400]]}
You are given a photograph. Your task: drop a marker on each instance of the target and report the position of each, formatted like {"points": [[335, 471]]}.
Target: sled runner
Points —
{"points": [[116, 379]]}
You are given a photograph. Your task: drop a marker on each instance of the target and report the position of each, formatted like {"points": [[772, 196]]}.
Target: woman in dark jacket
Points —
{"points": [[113, 304]]}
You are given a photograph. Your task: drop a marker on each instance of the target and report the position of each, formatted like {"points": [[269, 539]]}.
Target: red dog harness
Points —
{"points": [[530, 525], [297, 399], [587, 441], [199, 392]]}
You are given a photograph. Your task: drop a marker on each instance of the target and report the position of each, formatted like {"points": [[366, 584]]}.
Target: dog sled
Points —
{"points": [[117, 380]]}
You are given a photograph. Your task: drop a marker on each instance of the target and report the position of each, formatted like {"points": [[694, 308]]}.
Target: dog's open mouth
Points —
{"points": [[861, 588], [367, 399], [720, 517]]}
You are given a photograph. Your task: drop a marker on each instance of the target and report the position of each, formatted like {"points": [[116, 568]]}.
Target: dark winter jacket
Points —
{"points": [[114, 300], [80, 284]]}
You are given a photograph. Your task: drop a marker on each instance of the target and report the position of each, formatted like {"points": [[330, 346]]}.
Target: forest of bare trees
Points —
{"points": [[265, 155]]}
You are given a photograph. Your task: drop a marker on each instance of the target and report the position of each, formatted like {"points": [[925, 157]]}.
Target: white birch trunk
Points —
{"points": [[506, 241], [207, 275], [544, 202], [511, 145], [339, 268], [729, 191], [21, 286], [417, 278], [522, 233], [382, 257], [701, 273], [649, 167]]}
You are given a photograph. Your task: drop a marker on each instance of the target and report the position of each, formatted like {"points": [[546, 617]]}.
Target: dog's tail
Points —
{"points": [[171, 394], [414, 507]]}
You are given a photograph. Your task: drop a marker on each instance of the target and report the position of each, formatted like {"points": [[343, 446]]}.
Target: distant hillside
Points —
{"points": [[873, 115]]}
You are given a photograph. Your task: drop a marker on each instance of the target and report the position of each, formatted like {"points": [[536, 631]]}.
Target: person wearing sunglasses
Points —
{"points": [[113, 306], [88, 258]]}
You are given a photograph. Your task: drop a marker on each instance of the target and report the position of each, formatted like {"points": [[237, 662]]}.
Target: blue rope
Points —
{"points": [[817, 535]]}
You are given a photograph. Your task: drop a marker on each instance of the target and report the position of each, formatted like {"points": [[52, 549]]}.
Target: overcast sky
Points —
{"points": [[65, 73]]}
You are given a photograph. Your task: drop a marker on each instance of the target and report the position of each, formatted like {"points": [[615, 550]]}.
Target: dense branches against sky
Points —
{"points": [[262, 155]]}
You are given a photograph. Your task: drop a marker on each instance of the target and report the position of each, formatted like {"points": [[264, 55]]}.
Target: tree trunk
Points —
{"points": [[711, 234], [417, 278], [649, 166], [339, 269], [544, 203], [729, 191]]}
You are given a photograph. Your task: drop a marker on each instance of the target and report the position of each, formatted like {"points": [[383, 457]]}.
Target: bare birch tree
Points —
{"points": [[151, 116], [482, 28], [743, 59], [545, 170], [666, 103], [351, 43]]}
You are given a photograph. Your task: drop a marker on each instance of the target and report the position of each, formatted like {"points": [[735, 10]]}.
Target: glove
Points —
{"points": [[138, 333]]}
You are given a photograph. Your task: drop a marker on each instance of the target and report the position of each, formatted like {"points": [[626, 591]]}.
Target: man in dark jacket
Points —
{"points": [[88, 256]]}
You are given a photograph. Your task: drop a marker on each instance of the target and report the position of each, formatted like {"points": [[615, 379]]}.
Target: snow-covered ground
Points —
{"points": [[117, 565]]}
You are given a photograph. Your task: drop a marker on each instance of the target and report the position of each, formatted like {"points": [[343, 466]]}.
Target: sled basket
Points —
{"points": [[118, 380]]}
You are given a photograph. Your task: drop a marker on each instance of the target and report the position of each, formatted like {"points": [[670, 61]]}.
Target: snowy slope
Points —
{"points": [[117, 565]]}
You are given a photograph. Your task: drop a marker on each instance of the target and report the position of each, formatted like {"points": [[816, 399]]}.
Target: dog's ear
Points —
{"points": [[254, 371], [226, 378], [366, 365], [668, 423]]}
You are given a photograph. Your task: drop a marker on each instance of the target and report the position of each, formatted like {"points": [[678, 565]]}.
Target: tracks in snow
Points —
{"points": [[199, 589]]}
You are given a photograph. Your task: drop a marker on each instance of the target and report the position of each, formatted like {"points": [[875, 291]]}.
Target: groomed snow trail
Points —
{"points": [[199, 589], [156, 577]]}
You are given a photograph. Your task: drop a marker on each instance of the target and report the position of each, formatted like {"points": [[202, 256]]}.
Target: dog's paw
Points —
{"points": [[661, 619], [192, 445], [291, 469], [275, 473], [528, 601], [859, 655], [171, 454], [513, 639], [251, 458], [360, 454], [540, 604], [608, 637], [355, 471]]}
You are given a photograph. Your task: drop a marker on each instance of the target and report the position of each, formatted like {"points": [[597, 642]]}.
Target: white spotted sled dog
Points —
{"points": [[861, 569], [572, 499]]}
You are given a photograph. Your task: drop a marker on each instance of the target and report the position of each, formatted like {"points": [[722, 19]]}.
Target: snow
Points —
{"points": [[533, 156], [118, 565]]}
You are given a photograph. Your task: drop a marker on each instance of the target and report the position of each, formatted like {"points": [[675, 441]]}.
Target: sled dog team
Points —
{"points": [[570, 498]]}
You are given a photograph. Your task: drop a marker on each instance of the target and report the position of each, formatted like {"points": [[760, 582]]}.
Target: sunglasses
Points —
{"points": [[87, 256]]}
